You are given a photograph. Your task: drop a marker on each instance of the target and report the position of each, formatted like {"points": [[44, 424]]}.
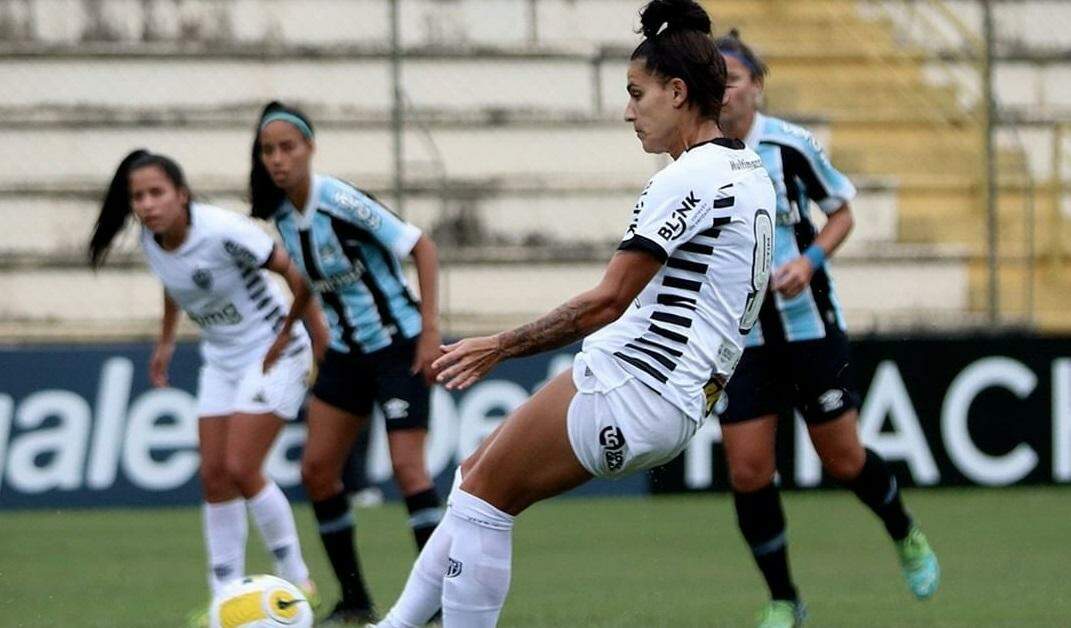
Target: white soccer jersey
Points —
{"points": [[709, 216], [216, 277]]}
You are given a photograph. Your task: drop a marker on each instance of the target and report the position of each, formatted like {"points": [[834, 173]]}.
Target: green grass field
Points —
{"points": [[673, 561]]}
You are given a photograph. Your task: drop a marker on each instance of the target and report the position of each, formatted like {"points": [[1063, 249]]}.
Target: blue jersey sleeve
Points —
{"points": [[804, 157], [360, 209]]}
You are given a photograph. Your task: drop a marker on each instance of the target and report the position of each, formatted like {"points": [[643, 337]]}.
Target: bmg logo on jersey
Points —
{"points": [[613, 445]]}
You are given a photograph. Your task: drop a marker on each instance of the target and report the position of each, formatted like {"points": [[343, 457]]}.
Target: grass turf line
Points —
{"points": [[665, 561]]}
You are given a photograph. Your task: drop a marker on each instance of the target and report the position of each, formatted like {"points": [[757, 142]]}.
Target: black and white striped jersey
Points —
{"points": [[216, 277], [709, 217]]}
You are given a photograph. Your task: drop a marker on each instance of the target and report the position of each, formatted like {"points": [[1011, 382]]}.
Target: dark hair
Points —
{"points": [[677, 44], [732, 44], [264, 196], [115, 209]]}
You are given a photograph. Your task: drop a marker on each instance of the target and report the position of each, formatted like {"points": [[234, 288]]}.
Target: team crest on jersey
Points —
{"points": [[202, 279], [329, 254], [613, 445]]}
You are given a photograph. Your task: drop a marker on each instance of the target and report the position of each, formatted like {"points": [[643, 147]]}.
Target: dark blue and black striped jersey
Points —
{"points": [[348, 245], [801, 172]]}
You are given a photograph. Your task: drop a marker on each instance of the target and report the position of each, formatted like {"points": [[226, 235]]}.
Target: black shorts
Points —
{"points": [[354, 382], [812, 376]]}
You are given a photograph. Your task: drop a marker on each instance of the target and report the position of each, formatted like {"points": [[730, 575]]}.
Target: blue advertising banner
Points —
{"points": [[81, 426]]}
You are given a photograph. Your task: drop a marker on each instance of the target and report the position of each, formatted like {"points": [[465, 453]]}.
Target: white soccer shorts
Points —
{"points": [[280, 391], [623, 429]]}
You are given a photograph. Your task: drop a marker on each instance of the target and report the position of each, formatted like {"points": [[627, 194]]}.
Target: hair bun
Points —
{"points": [[660, 15]]}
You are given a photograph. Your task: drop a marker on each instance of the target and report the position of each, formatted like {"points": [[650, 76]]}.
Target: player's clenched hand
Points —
{"points": [[428, 348], [466, 361], [276, 350], [159, 362], [793, 277]]}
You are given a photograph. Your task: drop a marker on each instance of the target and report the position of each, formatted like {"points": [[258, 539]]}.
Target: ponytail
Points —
{"points": [[264, 196], [115, 209]]}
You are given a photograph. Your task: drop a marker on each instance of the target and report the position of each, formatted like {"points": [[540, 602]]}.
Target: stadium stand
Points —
{"points": [[515, 154]]}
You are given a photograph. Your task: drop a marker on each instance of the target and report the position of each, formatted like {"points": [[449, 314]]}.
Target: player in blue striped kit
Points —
{"points": [[348, 245], [797, 356]]}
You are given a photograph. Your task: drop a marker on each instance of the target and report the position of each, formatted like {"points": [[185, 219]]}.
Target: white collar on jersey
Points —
{"points": [[754, 135], [305, 216]]}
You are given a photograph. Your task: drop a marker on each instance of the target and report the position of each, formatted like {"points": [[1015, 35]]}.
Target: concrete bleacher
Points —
{"points": [[515, 131]]}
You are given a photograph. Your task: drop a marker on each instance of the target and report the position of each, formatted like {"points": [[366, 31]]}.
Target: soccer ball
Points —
{"points": [[260, 602]]}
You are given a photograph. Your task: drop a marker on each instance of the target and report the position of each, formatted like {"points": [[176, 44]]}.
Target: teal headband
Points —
{"points": [[754, 69], [297, 122]]}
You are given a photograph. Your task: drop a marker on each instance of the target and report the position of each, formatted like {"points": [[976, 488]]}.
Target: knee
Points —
{"points": [[750, 474], [844, 464], [244, 474], [319, 478], [410, 475], [215, 481]]}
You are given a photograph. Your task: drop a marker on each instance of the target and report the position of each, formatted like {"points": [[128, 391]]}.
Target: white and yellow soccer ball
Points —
{"points": [[260, 602]]}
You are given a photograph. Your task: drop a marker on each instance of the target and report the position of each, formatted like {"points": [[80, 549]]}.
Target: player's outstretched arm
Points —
{"points": [[468, 360]]}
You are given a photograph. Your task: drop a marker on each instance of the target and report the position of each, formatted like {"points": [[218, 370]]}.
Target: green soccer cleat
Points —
{"points": [[918, 564], [782, 614]]}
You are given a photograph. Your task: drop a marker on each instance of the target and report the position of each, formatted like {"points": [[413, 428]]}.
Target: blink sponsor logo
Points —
{"points": [[678, 222], [228, 315]]}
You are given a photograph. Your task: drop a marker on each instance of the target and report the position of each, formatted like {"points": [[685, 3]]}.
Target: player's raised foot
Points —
{"points": [[198, 618], [344, 615], [918, 564], [782, 614]]}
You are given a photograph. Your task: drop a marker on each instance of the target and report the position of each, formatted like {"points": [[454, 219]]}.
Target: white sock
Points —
{"points": [[478, 569], [275, 521], [225, 530], [423, 592]]}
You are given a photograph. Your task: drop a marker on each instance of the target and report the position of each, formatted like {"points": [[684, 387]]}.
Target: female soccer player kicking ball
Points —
{"points": [[211, 263], [662, 331]]}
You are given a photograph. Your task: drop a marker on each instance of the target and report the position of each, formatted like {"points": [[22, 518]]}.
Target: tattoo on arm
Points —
{"points": [[557, 329]]}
